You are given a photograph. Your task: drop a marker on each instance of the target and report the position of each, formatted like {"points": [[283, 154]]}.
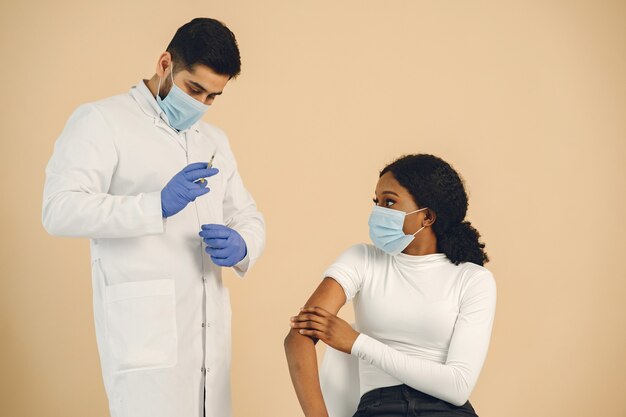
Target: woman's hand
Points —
{"points": [[320, 324]]}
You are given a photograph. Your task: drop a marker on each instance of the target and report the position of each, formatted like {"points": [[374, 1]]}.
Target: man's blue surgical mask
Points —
{"points": [[181, 109], [386, 229]]}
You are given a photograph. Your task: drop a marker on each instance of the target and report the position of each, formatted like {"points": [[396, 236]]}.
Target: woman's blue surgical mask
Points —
{"points": [[181, 109], [386, 229]]}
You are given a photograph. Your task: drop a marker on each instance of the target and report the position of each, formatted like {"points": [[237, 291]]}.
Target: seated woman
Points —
{"points": [[423, 302]]}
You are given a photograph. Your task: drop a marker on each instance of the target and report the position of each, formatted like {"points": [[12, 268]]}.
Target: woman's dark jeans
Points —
{"points": [[402, 400]]}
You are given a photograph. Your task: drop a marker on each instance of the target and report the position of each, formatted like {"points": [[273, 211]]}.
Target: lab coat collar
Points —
{"points": [[146, 100], [149, 105]]}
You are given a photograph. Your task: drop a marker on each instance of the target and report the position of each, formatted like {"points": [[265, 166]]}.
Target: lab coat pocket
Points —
{"points": [[141, 324]]}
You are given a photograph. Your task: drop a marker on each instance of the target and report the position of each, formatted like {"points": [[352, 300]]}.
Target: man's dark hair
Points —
{"points": [[207, 42]]}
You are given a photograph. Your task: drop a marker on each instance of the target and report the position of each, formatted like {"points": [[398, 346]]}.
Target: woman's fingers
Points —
{"points": [[316, 310], [310, 325], [309, 317], [312, 333], [313, 322], [319, 324]]}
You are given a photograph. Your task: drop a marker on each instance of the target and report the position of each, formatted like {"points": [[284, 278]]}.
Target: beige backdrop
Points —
{"points": [[526, 99]]}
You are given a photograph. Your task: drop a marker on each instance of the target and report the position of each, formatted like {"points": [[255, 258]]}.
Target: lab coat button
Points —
{"points": [[202, 324]]}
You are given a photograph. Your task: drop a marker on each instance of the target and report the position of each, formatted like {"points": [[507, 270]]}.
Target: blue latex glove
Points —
{"points": [[182, 190], [224, 244]]}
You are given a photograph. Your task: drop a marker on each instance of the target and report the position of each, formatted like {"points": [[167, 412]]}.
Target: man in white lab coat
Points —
{"points": [[158, 193]]}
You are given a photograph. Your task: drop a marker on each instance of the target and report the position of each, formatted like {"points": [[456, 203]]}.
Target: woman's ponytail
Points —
{"points": [[460, 242]]}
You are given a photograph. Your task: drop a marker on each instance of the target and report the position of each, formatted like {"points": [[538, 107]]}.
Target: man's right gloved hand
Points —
{"points": [[182, 188]]}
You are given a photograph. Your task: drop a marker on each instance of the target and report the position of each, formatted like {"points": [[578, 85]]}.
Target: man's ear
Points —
{"points": [[164, 62]]}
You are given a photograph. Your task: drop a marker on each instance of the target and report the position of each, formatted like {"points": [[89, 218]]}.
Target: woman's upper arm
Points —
{"points": [[342, 280], [329, 295]]}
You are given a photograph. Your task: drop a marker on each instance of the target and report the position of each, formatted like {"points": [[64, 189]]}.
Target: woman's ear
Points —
{"points": [[429, 218]]}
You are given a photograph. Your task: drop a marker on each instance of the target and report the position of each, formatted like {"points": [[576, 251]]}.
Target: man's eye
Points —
{"points": [[389, 203], [195, 92]]}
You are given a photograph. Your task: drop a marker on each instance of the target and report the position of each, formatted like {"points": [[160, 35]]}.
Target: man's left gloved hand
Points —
{"points": [[224, 244]]}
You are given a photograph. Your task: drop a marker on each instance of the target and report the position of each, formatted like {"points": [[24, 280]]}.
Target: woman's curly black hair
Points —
{"points": [[433, 183]]}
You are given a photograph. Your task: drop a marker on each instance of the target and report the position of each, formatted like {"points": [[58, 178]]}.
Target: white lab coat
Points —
{"points": [[162, 315]]}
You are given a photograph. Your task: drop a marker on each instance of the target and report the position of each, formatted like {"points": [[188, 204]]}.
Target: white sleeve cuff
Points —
{"points": [[150, 204], [365, 347], [242, 266]]}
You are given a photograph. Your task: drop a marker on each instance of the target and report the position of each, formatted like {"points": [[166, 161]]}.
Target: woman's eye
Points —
{"points": [[386, 202]]}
